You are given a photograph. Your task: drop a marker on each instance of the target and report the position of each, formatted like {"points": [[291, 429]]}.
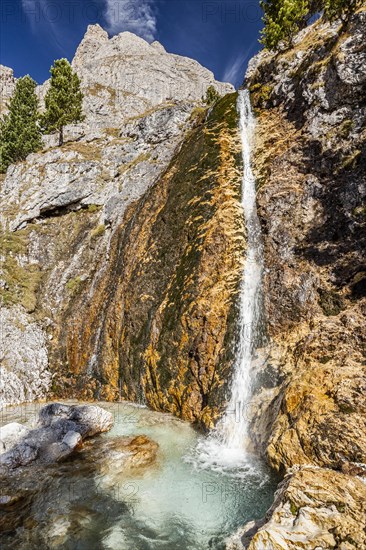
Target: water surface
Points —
{"points": [[176, 503]]}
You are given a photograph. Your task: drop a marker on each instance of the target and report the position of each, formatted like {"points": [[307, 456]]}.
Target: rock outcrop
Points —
{"points": [[24, 373], [310, 162], [124, 246], [7, 87], [125, 77], [313, 508], [60, 430]]}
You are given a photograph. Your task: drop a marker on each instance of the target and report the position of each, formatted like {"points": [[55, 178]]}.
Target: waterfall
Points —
{"points": [[226, 445], [233, 426]]}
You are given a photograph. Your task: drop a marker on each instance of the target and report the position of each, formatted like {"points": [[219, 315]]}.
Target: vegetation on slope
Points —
{"points": [[284, 18]]}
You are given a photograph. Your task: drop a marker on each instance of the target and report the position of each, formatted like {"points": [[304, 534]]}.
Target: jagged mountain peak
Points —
{"points": [[95, 31], [121, 77], [158, 46]]}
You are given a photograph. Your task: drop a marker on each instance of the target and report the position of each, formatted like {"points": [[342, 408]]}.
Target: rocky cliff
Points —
{"points": [[7, 86], [123, 248], [309, 416], [123, 251], [125, 77]]}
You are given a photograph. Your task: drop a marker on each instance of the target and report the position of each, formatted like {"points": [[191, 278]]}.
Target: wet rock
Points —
{"points": [[15, 501], [62, 429], [72, 439], [309, 202], [187, 239], [89, 419], [21, 454], [117, 455], [87, 486], [309, 159]]}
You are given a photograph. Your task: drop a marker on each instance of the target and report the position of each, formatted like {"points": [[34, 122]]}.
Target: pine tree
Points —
{"points": [[282, 20], [20, 133], [212, 95], [334, 9], [63, 100]]}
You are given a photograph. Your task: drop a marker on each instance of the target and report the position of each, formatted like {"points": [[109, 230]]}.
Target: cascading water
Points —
{"points": [[165, 504], [233, 427], [226, 446]]}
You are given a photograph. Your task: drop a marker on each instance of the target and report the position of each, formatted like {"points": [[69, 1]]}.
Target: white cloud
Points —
{"points": [[136, 16], [234, 72], [34, 11], [44, 17]]}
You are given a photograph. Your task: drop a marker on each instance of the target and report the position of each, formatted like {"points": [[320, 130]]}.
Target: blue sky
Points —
{"points": [[221, 34]]}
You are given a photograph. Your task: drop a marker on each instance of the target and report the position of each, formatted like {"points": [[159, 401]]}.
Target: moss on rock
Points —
{"points": [[165, 311]]}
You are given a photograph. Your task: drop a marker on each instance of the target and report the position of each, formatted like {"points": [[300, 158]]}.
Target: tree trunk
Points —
{"points": [[61, 138]]}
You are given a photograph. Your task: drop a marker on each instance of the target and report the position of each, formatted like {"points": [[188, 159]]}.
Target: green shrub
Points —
{"points": [[334, 9], [212, 96], [282, 20]]}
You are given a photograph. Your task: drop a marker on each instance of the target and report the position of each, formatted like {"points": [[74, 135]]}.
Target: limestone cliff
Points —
{"points": [[7, 86], [310, 161], [123, 248], [125, 77], [122, 253]]}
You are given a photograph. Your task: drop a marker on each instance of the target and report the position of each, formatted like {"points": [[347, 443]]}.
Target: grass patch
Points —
{"points": [[260, 94], [113, 132], [351, 160], [89, 151], [92, 208], [150, 112], [97, 88], [198, 114], [20, 283], [98, 231], [74, 285], [142, 157]]}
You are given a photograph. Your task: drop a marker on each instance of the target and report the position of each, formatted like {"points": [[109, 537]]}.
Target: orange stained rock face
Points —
{"points": [[158, 323]]}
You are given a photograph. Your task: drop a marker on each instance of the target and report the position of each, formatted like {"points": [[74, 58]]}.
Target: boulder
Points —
{"points": [[61, 430], [88, 420], [11, 434]]}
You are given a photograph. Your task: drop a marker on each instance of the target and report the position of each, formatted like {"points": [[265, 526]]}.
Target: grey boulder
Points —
{"points": [[61, 429]]}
